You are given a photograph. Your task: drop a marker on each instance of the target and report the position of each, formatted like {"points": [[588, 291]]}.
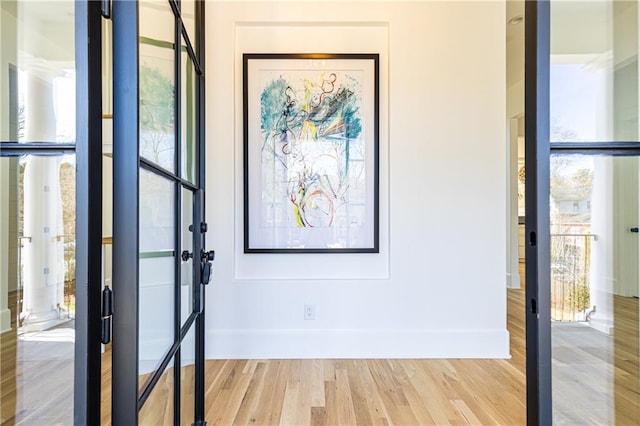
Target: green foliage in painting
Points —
{"points": [[273, 101]]}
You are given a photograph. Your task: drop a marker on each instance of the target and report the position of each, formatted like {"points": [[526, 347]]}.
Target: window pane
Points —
{"points": [[188, 136], [37, 72], [157, 84], [37, 289], [188, 14], [157, 270], [595, 252], [186, 269], [158, 409], [594, 71], [187, 377]]}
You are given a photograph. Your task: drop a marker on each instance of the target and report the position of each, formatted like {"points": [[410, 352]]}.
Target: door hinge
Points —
{"points": [[107, 313]]}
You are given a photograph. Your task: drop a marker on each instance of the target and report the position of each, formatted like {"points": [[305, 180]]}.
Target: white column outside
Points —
{"points": [[43, 252]]}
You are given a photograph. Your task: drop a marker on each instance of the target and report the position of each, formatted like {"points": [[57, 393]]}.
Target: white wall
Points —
{"points": [[515, 99], [437, 288], [5, 314]]}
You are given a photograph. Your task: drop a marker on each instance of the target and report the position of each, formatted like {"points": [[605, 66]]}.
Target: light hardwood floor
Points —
{"points": [[36, 374], [366, 391], [384, 392], [342, 392]]}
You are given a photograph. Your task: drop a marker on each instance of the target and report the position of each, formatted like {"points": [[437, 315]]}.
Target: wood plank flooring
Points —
{"points": [[36, 374], [366, 391], [351, 391], [342, 392], [626, 360], [385, 391]]}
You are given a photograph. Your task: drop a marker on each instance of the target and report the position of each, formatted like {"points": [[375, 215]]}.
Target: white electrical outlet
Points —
{"points": [[309, 312]]}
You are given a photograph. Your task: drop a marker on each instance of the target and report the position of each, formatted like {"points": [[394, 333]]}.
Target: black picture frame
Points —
{"points": [[311, 152]]}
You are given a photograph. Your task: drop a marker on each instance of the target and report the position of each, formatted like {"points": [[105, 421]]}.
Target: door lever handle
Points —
{"points": [[208, 256], [635, 230], [207, 269]]}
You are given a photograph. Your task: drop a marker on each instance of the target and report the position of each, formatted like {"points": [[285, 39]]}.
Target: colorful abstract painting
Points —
{"points": [[310, 153]]}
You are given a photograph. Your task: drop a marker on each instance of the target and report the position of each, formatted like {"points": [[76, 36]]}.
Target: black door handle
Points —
{"points": [[208, 256], [634, 230], [207, 269], [205, 273]]}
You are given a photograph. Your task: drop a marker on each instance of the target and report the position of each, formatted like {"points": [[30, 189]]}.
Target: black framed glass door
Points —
{"points": [[583, 213], [159, 263]]}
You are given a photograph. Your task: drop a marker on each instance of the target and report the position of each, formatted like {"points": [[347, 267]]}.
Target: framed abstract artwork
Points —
{"points": [[311, 172]]}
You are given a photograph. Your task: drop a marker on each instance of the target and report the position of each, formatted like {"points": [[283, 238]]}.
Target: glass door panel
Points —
{"points": [[156, 22], [157, 270], [594, 212], [594, 71], [188, 14], [595, 269], [187, 378], [188, 133], [37, 289], [186, 268], [157, 84], [158, 409], [38, 71]]}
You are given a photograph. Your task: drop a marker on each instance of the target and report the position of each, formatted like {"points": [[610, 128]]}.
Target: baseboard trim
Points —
{"points": [[331, 344], [5, 320], [513, 281], [604, 326]]}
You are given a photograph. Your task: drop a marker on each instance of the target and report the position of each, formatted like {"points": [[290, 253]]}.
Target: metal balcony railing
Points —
{"points": [[570, 275]]}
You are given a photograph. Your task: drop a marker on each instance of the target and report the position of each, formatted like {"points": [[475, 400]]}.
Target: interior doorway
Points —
{"points": [[516, 203]]}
